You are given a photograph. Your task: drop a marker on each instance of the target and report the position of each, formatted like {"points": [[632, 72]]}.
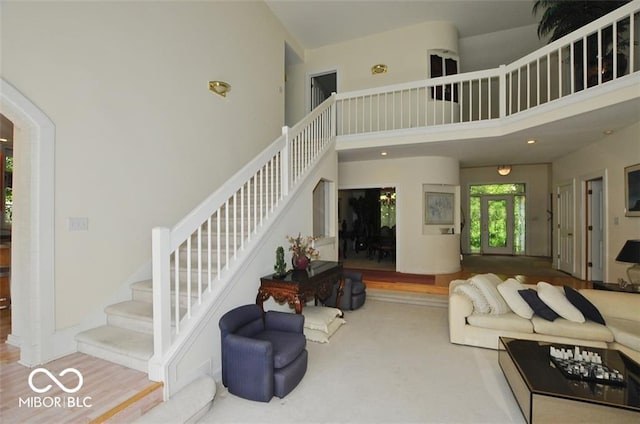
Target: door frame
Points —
{"points": [[33, 239], [594, 208], [582, 252], [484, 234], [307, 85]]}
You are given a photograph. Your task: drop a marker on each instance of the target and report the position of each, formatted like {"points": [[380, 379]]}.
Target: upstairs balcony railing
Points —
{"points": [[604, 50]]}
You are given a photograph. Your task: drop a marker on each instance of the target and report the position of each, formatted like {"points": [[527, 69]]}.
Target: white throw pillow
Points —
{"points": [[486, 283], [556, 300], [322, 336], [319, 317], [509, 291], [480, 304]]}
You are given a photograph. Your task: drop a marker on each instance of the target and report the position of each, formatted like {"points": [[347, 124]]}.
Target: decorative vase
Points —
{"points": [[300, 262]]}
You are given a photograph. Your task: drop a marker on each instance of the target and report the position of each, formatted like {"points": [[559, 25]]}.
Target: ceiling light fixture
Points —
{"points": [[379, 69], [608, 132], [383, 153], [531, 141], [221, 88], [504, 170], [3, 140]]}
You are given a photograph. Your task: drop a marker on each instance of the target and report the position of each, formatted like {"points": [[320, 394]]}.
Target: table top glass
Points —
{"points": [[532, 358], [315, 269]]}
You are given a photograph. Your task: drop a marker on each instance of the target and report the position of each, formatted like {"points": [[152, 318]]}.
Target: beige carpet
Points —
{"points": [[390, 363]]}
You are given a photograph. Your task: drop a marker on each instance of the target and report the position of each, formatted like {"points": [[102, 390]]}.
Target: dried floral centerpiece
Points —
{"points": [[302, 250]]}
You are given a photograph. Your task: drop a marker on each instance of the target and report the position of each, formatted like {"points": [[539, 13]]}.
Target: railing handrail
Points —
{"points": [[429, 82]]}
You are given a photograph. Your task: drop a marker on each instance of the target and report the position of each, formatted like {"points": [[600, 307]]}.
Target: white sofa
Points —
{"points": [[621, 312]]}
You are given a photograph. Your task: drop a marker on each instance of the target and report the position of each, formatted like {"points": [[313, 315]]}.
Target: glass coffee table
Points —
{"points": [[545, 394]]}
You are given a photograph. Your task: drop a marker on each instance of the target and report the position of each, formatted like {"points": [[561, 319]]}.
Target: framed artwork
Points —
{"points": [[632, 190], [438, 208]]}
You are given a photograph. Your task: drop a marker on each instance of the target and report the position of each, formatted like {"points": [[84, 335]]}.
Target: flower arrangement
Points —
{"points": [[303, 246]]}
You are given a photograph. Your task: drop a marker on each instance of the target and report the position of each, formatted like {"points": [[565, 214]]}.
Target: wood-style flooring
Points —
{"points": [[109, 393]]}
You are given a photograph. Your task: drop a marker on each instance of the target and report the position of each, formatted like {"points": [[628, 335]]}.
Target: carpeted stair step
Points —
{"points": [[129, 348], [135, 315], [408, 297], [142, 291]]}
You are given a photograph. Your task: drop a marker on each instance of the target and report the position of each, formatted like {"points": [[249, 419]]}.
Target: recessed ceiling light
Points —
{"points": [[531, 141], [383, 153], [608, 132], [3, 140]]}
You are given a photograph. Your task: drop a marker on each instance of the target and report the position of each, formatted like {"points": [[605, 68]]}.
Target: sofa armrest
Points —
{"points": [[284, 321], [460, 307]]}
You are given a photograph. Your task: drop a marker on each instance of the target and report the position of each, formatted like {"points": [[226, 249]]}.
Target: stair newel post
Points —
{"points": [[502, 90], [284, 162], [161, 257]]}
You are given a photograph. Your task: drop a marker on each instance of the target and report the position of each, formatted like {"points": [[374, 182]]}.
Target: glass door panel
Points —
{"points": [[497, 224]]}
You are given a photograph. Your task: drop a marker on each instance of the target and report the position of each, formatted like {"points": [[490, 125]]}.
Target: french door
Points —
{"points": [[497, 224]]}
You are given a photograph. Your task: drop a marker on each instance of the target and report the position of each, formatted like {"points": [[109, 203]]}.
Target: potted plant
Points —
{"points": [[561, 17], [302, 250], [280, 267]]}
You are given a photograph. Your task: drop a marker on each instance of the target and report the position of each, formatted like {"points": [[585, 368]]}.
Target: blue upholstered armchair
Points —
{"points": [[355, 292], [262, 355]]}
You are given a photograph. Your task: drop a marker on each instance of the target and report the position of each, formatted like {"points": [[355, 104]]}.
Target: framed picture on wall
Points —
{"points": [[438, 208], [632, 190]]}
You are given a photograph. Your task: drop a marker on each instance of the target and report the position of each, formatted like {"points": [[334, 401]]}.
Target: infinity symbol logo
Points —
{"points": [[55, 380]]}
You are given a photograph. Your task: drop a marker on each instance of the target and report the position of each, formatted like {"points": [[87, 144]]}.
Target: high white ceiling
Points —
{"points": [[316, 23]]}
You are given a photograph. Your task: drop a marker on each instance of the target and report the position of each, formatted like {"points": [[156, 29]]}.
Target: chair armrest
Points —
{"points": [[247, 366], [284, 321]]}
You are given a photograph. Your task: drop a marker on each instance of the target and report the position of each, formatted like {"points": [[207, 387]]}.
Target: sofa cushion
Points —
{"points": [[320, 336], [507, 322], [286, 346], [625, 331], [319, 317], [539, 307], [487, 284], [480, 304], [587, 308], [564, 328], [554, 297], [509, 291]]}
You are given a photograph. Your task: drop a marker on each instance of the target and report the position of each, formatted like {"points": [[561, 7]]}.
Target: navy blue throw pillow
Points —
{"points": [[539, 307], [587, 308]]}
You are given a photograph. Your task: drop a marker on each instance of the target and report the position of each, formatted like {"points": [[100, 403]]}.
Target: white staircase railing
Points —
{"points": [[192, 257], [602, 51]]}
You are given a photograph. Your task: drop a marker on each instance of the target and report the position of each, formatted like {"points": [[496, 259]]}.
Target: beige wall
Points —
{"points": [[404, 51], [421, 249], [139, 138], [537, 179], [605, 159]]}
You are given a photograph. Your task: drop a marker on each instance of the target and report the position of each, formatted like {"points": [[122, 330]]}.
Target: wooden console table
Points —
{"points": [[300, 286]]}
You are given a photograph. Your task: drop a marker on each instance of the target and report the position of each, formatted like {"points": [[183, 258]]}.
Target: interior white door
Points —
{"points": [[595, 231], [497, 224], [565, 260]]}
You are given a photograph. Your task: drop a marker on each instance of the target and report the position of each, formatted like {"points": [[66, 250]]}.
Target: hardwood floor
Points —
{"points": [[114, 393]]}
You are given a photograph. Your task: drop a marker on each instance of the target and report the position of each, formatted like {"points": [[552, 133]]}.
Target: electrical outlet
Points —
{"points": [[78, 224]]}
